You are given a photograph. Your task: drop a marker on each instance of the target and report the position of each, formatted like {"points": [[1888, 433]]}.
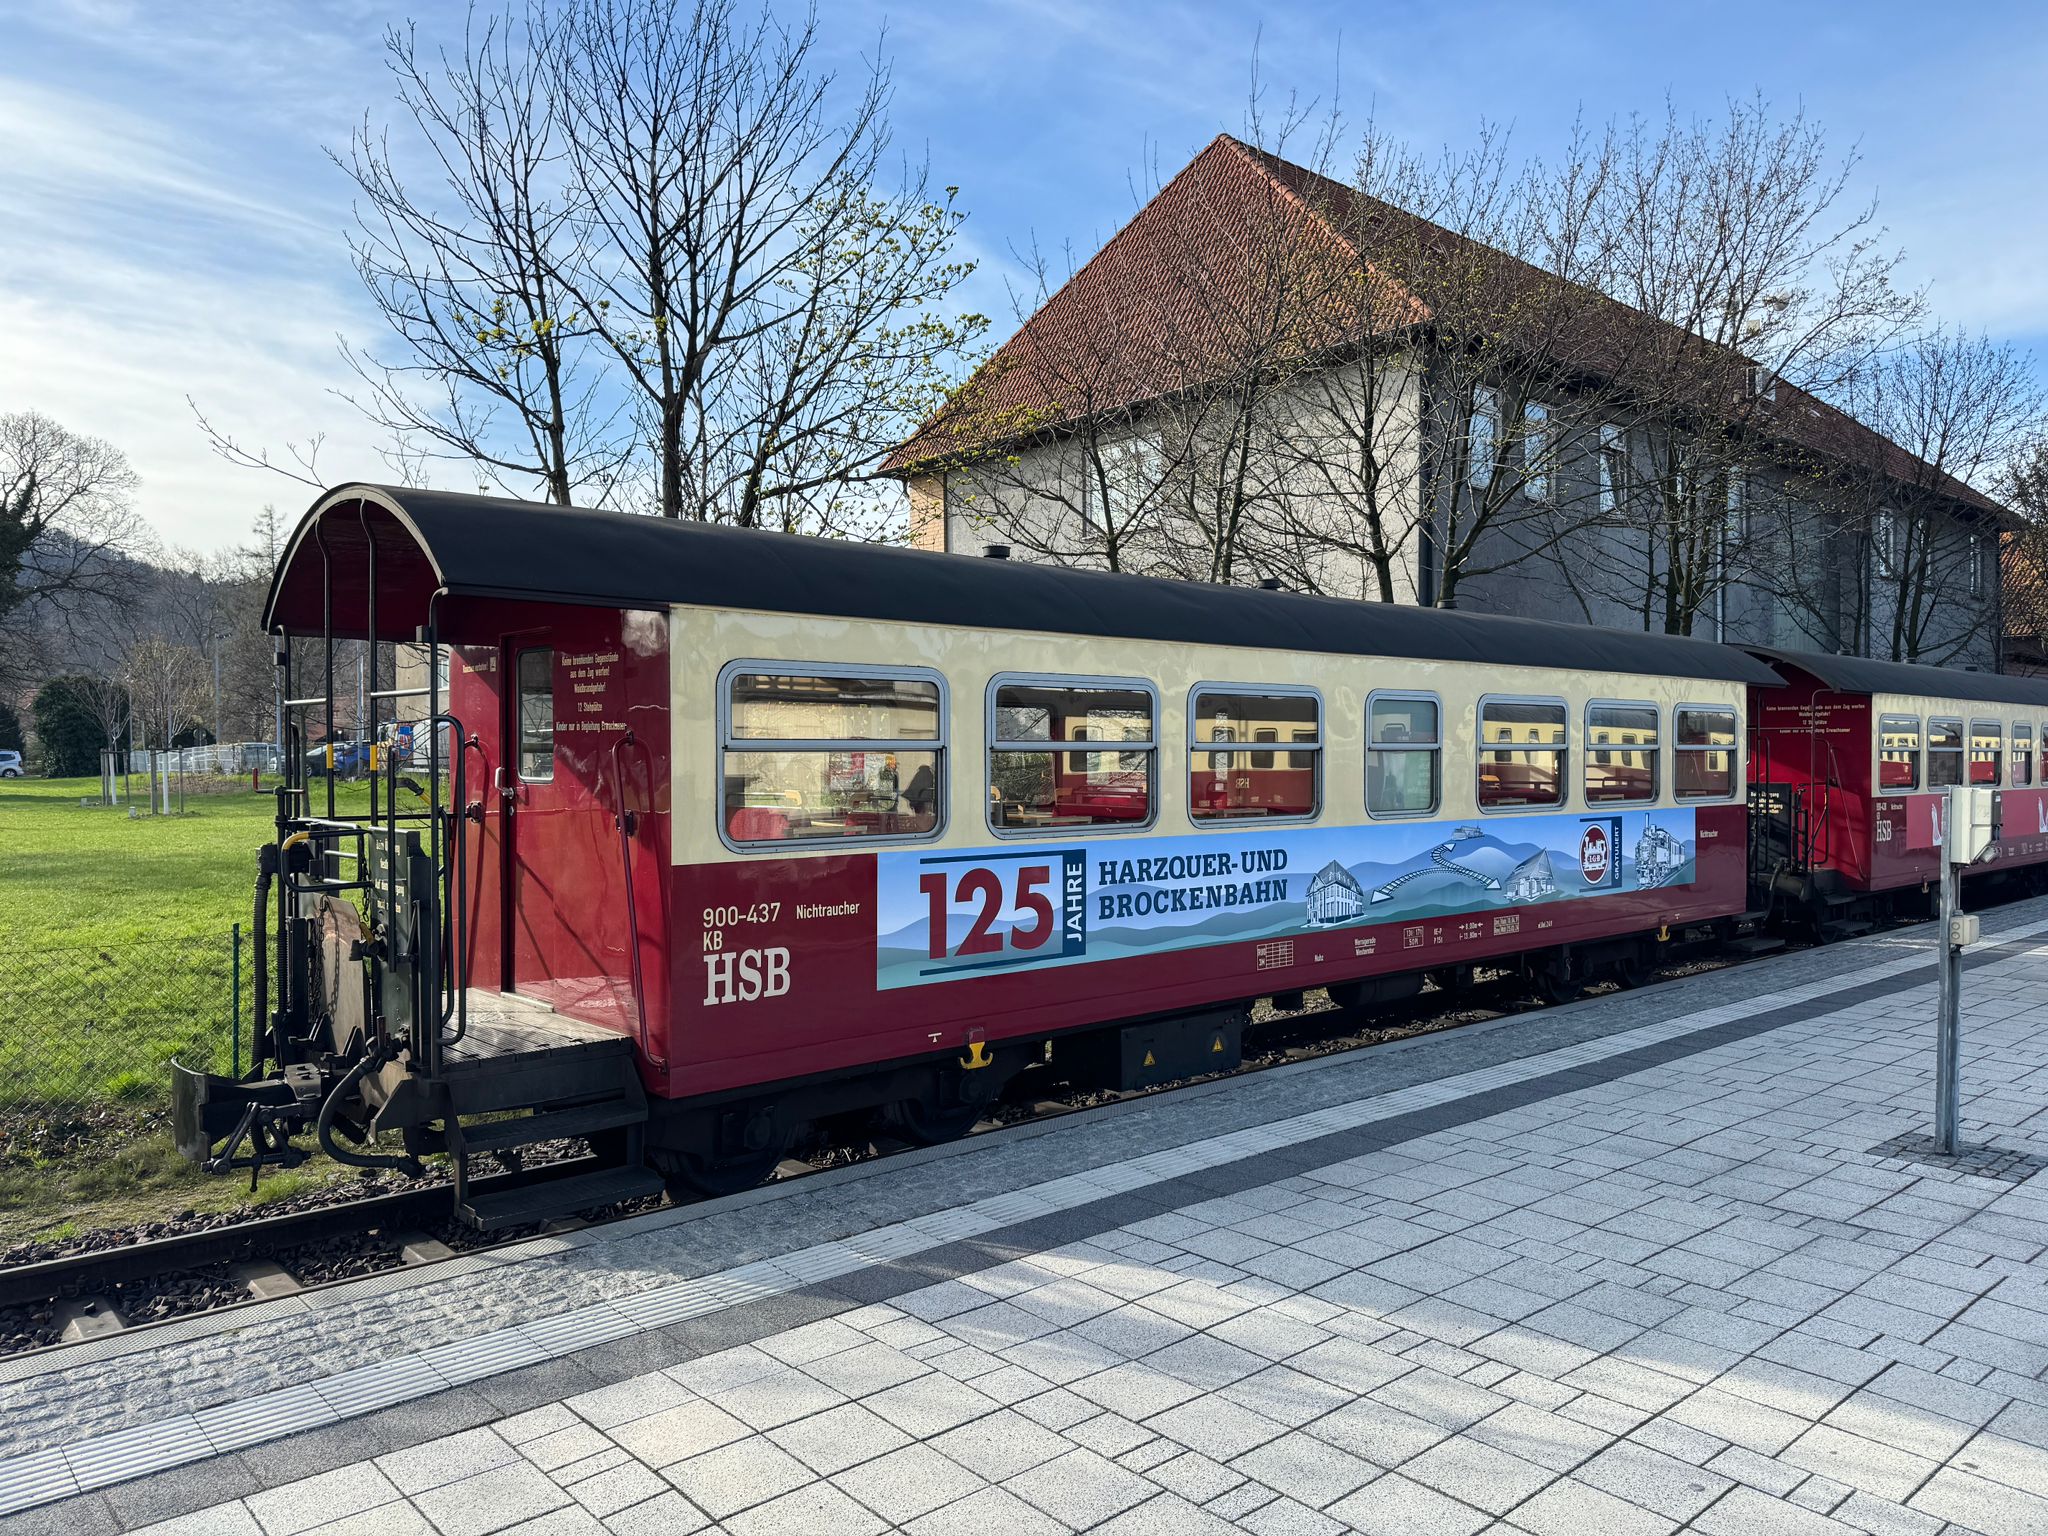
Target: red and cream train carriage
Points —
{"points": [[744, 831], [1848, 761]]}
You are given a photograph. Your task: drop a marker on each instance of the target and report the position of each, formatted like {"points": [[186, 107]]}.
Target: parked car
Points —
{"points": [[10, 765], [349, 757]]}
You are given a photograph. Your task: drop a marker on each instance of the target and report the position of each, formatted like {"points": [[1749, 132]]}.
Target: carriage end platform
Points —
{"points": [[1660, 1260]]}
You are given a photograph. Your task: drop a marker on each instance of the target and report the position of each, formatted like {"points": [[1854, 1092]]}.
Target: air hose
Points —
{"points": [[324, 1126]]}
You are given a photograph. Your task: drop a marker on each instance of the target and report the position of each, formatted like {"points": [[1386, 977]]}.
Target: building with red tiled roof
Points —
{"points": [[1249, 380]]}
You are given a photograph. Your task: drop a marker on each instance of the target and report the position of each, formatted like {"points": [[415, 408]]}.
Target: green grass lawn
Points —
{"points": [[116, 938], [71, 874], [115, 956]]}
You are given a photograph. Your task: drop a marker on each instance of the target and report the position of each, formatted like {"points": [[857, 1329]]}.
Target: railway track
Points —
{"points": [[142, 1284]]}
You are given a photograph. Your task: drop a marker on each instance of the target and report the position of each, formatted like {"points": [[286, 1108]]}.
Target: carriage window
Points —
{"points": [[537, 715], [1228, 784], [2022, 755], [1987, 745], [1521, 754], [814, 756], [1621, 752], [1032, 786], [1898, 753], [1403, 755], [1944, 753], [1703, 767]]}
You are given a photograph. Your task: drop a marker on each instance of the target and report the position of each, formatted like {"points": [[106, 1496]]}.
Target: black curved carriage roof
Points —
{"points": [[484, 547], [1861, 674]]}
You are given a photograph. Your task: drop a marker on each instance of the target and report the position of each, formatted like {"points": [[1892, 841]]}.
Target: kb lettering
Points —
{"points": [[743, 975]]}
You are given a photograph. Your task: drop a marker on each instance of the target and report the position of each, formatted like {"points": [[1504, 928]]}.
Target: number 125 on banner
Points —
{"points": [[993, 910]]}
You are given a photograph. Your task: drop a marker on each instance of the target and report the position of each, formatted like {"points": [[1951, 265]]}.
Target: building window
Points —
{"points": [[1704, 765], [1898, 753], [1034, 787], [1482, 438], [1621, 753], [1886, 538], [1944, 753], [1976, 558], [1536, 451], [536, 672], [1224, 785], [1738, 507], [1613, 468], [821, 754], [1521, 753], [1403, 754], [1987, 744], [1121, 482], [2022, 756]]}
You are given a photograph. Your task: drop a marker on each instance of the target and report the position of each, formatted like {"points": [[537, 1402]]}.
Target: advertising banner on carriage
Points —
{"points": [[949, 913]]}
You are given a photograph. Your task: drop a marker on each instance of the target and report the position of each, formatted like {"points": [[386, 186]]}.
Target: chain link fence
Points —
{"points": [[87, 1033]]}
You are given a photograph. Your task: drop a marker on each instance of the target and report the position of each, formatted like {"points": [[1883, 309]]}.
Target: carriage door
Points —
{"points": [[533, 799]]}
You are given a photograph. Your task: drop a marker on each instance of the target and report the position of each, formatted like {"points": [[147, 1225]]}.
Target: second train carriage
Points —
{"points": [[1849, 759], [723, 832]]}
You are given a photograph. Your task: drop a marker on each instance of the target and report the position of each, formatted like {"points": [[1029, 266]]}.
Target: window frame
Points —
{"points": [[991, 744], [519, 773], [1315, 750], [1919, 755], [1656, 795], [2013, 729], [1537, 457], [1413, 695], [1961, 749], [1997, 779], [1480, 746], [1738, 770], [1485, 406], [723, 742]]}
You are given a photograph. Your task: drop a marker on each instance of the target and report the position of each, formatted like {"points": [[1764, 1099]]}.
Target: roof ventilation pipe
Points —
{"points": [[995, 551], [1270, 584]]}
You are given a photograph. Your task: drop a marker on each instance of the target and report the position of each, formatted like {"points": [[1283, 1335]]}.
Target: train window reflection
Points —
{"points": [[1033, 787], [1231, 784], [2022, 755], [1898, 753], [816, 754], [1944, 753], [1521, 753], [537, 715], [1621, 753], [1987, 746], [1703, 754], [1403, 754]]}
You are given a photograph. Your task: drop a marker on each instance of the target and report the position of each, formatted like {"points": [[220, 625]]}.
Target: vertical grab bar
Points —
{"points": [[623, 819]]}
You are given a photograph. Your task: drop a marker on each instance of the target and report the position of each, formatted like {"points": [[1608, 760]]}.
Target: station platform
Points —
{"points": [[1675, 1259]]}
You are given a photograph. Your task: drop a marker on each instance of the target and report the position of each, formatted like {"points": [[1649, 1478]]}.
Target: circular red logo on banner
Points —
{"points": [[1594, 855]]}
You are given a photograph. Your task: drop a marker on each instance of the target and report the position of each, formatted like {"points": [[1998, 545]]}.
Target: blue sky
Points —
{"points": [[172, 227]]}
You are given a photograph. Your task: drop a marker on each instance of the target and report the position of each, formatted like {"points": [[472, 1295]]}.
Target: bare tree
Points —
{"points": [[166, 685], [1896, 544], [105, 697], [772, 309], [67, 515], [495, 372]]}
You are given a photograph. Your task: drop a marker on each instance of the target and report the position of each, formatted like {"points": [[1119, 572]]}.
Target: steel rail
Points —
{"points": [[85, 1274]]}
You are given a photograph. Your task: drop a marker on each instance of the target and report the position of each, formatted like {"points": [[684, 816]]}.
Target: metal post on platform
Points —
{"points": [[1970, 816], [1948, 1015]]}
